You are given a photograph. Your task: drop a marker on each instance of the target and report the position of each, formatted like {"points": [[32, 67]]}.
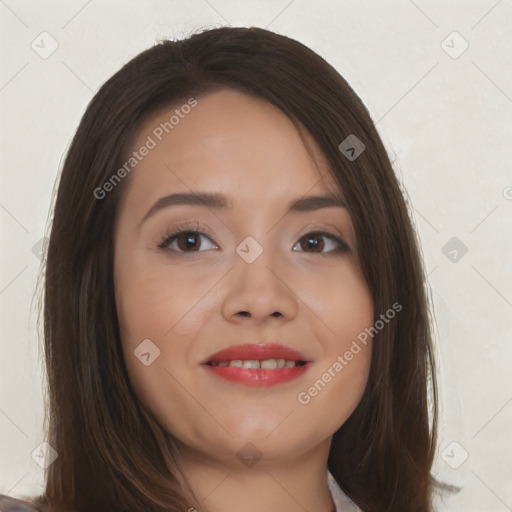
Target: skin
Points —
{"points": [[189, 304]]}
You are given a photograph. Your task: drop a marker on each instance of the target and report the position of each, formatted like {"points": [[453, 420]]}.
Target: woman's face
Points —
{"points": [[257, 276]]}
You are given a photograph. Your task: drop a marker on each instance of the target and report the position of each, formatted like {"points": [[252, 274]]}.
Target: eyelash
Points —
{"points": [[174, 234]]}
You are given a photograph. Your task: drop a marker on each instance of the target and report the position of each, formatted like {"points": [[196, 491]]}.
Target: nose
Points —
{"points": [[256, 292]]}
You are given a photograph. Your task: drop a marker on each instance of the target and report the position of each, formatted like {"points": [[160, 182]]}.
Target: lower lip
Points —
{"points": [[255, 377]]}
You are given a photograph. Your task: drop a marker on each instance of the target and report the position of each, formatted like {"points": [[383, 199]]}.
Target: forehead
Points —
{"points": [[229, 142]]}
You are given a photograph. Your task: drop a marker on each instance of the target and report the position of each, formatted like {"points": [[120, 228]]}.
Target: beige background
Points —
{"points": [[444, 115]]}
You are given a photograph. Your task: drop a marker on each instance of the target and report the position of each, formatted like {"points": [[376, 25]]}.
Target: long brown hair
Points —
{"points": [[113, 456]]}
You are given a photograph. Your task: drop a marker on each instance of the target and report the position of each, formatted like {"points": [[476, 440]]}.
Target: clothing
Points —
{"points": [[8, 504], [341, 500]]}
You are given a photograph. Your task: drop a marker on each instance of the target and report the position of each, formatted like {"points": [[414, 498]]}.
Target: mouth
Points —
{"points": [[257, 365]]}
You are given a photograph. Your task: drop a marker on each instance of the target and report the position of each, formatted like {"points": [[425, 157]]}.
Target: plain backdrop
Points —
{"points": [[436, 78]]}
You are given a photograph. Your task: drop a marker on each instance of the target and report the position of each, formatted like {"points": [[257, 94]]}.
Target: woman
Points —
{"points": [[235, 312]]}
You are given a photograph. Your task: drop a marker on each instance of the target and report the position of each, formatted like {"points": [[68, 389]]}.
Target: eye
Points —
{"points": [[314, 241], [185, 240]]}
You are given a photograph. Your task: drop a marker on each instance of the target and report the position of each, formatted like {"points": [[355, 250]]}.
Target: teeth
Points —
{"points": [[251, 363], [267, 364]]}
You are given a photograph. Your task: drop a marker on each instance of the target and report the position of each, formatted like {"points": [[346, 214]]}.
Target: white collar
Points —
{"points": [[342, 502]]}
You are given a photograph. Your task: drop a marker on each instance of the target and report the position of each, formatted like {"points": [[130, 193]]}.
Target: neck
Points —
{"points": [[293, 484]]}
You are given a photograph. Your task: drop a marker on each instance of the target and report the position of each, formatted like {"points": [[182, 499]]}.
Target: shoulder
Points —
{"points": [[8, 504]]}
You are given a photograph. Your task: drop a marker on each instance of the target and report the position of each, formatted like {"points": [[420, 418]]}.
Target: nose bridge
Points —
{"points": [[257, 289], [255, 263]]}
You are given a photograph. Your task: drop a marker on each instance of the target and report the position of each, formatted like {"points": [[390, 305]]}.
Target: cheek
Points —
{"points": [[337, 383], [341, 303], [334, 392], [152, 302], [166, 307]]}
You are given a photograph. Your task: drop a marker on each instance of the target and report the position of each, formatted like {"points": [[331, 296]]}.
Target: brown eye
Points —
{"points": [[316, 243], [188, 240], [185, 241], [313, 242]]}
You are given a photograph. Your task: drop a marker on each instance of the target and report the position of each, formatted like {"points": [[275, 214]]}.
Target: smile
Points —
{"points": [[257, 365], [254, 364]]}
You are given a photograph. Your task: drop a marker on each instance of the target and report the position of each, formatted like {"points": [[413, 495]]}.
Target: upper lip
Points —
{"points": [[260, 352]]}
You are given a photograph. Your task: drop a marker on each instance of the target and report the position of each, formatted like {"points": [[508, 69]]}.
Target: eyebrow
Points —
{"points": [[221, 202]]}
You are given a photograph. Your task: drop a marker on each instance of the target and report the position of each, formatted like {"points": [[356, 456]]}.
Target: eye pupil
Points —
{"points": [[317, 242], [189, 241]]}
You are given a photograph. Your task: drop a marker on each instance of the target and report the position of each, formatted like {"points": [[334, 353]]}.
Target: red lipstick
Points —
{"points": [[257, 365]]}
